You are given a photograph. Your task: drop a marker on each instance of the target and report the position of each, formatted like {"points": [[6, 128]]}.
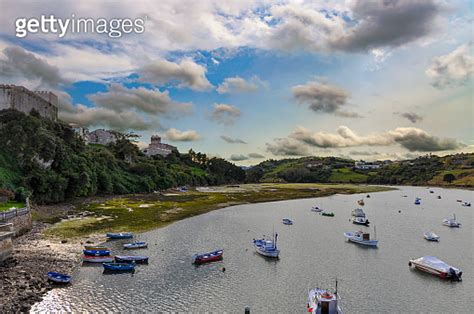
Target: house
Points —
{"points": [[102, 137], [362, 165], [156, 147]]}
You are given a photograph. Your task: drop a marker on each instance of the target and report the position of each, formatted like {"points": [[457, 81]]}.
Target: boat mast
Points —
{"points": [[375, 233]]}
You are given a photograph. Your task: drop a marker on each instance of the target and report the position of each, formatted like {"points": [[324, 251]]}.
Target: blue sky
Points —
{"points": [[375, 80]]}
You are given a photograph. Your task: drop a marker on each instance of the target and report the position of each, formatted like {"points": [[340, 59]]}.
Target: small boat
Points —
{"points": [[267, 247], [95, 247], [316, 209], [459, 201], [417, 202], [451, 222], [361, 237], [97, 259], [328, 214], [368, 196], [466, 204], [208, 257], [435, 266], [96, 252], [135, 245], [121, 235], [430, 236], [323, 301], [58, 277], [431, 191], [405, 196], [360, 221], [119, 266], [287, 221], [131, 258], [361, 202], [358, 212], [439, 197]]}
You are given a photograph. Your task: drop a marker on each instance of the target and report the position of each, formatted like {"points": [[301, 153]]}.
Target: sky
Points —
{"points": [[253, 80]]}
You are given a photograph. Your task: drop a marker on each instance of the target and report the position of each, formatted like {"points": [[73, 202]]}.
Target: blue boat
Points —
{"points": [[267, 247], [96, 252], [119, 266], [417, 202], [58, 277], [287, 221], [121, 235], [135, 245], [131, 258]]}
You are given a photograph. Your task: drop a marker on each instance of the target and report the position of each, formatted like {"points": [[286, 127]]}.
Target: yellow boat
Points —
{"points": [[95, 247]]}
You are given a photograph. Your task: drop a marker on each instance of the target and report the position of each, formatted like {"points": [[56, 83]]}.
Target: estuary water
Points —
{"points": [[313, 253]]}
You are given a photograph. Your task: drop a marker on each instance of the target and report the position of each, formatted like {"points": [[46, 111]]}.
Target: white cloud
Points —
{"points": [[237, 84], [182, 136], [225, 114]]}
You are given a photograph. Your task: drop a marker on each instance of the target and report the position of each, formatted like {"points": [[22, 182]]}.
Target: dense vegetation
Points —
{"points": [[48, 161]]}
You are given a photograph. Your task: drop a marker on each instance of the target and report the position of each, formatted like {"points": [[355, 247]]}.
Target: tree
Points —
{"points": [[449, 177]]}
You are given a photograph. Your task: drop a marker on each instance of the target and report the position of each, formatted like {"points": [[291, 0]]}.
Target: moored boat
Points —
{"points": [[267, 247], [360, 221], [358, 212], [96, 252], [287, 221], [435, 266], [328, 214], [208, 257], [431, 236], [368, 195], [439, 197], [417, 202], [451, 222], [97, 259], [361, 237], [131, 258], [135, 245], [118, 267], [322, 301], [466, 204], [58, 277], [120, 235], [316, 209], [95, 247], [361, 202]]}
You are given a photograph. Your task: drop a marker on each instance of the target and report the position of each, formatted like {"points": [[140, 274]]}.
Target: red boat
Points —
{"points": [[208, 257], [97, 259]]}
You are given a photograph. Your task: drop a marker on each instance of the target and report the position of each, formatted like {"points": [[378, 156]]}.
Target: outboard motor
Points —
{"points": [[454, 275]]}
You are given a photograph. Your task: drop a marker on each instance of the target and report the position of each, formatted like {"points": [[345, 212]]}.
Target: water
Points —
{"points": [[313, 251]]}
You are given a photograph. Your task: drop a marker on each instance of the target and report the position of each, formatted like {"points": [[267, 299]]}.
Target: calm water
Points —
{"points": [[313, 251]]}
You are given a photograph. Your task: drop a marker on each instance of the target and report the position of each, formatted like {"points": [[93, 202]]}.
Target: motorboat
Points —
{"points": [[360, 221], [358, 212], [135, 245], [451, 222], [267, 247], [316, 209], [97, 259], [431, 236], [213, 256], [361, 237], [96, 252], [435, 266], [328, 214], [287, 221], [361, 202], [322, 301], [439, 197], [119, 267], [58, 277], [417, 202], [466, 204], [120, 235], [431, 191], [131, 259]]}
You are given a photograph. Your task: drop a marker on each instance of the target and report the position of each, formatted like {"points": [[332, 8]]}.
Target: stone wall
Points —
{"points": [[21, 224], [6, 246], [24, 100]]}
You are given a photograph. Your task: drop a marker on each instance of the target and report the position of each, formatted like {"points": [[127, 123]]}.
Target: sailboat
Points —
{"points": [[451, 222]]}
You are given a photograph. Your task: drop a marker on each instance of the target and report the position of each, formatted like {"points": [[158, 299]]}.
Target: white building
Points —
{"points": [[362, 165]]}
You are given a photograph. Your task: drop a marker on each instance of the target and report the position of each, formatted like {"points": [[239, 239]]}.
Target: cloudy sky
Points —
{"points": [[249, 80]]}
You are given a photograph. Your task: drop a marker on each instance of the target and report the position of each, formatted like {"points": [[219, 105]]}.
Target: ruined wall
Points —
{"points": [[21, 224], [24, 100], [6, 246]]}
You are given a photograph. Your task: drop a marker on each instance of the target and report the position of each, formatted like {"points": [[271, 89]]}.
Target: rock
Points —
{"points": [[63, 241]]}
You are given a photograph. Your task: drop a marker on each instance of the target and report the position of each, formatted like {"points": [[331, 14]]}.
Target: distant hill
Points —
{"points": [[453, 170]]}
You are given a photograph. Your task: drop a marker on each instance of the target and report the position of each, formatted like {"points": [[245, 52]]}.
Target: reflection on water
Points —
{"points": [[313, 252]]}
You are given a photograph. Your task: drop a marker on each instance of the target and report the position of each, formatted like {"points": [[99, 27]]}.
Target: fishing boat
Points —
{"points": [[131, 258], [316, 209], [267, 247], [208, 257], [451, 222], [431, 236], [435, 266], [287, 221], [466, 204], [361, 237], [96, 252], [328, 214], [120, 235], [322, 301], [135, 245], [417, 202], [361, 202], [439, 197], [58, 277], [119, 267], [358, 212], [360, 221], [97, 259], [95, 247]]}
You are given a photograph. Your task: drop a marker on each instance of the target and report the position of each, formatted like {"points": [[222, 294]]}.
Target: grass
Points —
{"points": [[6, 206], [464, 177], [347, 175], [148, 211]]}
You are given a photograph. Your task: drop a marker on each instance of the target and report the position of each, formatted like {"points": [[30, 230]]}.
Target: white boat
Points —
{"points": [[316, 209], [361, 237], [360, 221], [435, 266], [430, 236], [451, 222], [267, 247], [466, 204], [135, 245], [287, 221], [322, 301], [358, 212]]}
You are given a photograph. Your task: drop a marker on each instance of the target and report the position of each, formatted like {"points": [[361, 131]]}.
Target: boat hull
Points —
{"points": [[271, 254], [131, 259], [97, 259], [126, 235], [95, 248], [438, 268], [352, 238], [118, 267], [96, 252], [132, 246], [208, 258], [59, 278]]}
